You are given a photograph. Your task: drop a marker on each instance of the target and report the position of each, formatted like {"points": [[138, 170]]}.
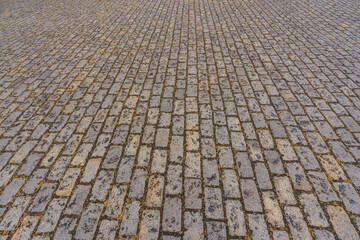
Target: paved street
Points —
{"points": [[179, 119]]}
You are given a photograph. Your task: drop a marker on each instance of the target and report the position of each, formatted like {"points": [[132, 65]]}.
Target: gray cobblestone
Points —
{"points": [[52, 215], [41, 200], [107, 229], [216, 230], [172, 215], [235, 218], [213, 203], [349, 197], [11, 190], [323, 187], [193, 193], [13, 215], [77, 200], [155, 192], [297, 225], [101, 186], [258, 227], [88, 221], [313, 210], [193, 222], [130, 219], [150, 224]]}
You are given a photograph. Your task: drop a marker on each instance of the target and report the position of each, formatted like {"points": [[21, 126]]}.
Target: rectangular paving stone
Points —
{"points": [[286, 150], [192, 141], [137, 186], [216, 230], [13, 215], [91, 169], [77, 199], [176, 149], [341, 222], [52, 215], [130, 219], [174, 180], [33, 182], [116, 201], [274, 162], [113, 157], [298, 177], [42, 197], [226, 158], [107, 229], [193, 193], [284, 190], [255, 151], [297, 225], [159, 161], [132, 145], [250, 195], [150, 224], [235, 218], [26, 228], [208, 148], [192, 165], [332, 168], [262, 176], [243, 164], [11, 190], [210, 172], [193, 223], [155, 191], [162, 137], [213, 203], [101, 186], [349, 197], [258, 227], [313, 210], [322, 187], [88, 221], [172, 215], [238, 141], [124, 172], [307, 158], [272, 209], [230, 184]]}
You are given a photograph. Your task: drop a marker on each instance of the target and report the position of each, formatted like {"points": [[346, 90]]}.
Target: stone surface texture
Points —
{"points": [[179, 119]]}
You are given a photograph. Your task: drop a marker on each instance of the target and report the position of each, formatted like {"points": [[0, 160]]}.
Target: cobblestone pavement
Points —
{"points": [[177, 119]]}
